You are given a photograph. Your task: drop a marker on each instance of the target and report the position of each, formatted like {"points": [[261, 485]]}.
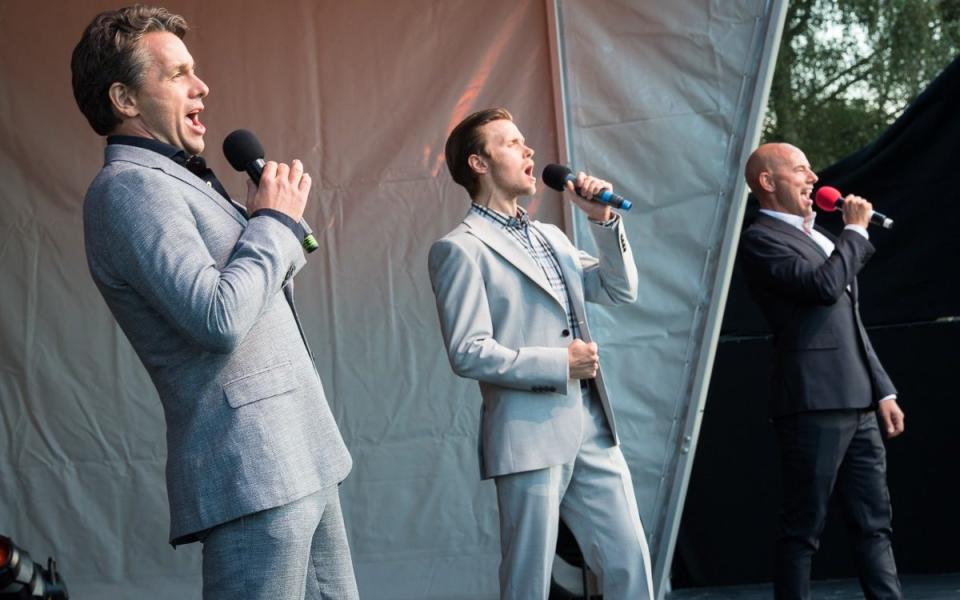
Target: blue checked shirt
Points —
{"points": [[530, 239]]}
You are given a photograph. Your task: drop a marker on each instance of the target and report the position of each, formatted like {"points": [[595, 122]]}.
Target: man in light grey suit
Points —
{"points": [[510, 295], [204, 294]]}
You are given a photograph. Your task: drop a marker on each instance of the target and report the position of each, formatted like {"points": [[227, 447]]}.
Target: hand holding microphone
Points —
{"points": [[856, 210], [596, 190], [282, 188], [277, 186]]}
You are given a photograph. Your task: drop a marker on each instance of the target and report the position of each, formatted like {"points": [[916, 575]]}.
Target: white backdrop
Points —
{"points": [[666, 98], [658, 95]]}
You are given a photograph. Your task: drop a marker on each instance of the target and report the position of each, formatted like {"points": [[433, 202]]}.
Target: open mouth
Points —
{"points": [[193, 118], [529, 171]]}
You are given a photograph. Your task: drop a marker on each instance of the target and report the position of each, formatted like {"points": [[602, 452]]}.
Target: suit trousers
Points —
{"points": [[821, 451], [296, 551], [594, 496]]}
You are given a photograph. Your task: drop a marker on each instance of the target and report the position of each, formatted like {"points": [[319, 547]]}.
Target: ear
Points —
{"points": [[123, 99], [766, 181], [477, 163]]}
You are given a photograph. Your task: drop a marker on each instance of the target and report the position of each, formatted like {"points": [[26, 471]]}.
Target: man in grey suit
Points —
{"points": [[510, 295], [203, 290]]}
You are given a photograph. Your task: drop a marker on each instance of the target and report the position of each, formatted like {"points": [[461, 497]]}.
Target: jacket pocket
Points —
{"points": [[272, 381], [810, 334]]}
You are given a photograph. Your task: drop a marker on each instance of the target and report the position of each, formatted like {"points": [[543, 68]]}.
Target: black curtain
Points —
{"points": [[910, 303]]}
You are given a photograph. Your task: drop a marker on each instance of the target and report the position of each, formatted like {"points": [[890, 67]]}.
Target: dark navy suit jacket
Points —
{"points": [[822, 356]]}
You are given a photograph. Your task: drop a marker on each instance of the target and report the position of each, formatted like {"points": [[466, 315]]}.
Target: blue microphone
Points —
{"points": [[557, 176]]}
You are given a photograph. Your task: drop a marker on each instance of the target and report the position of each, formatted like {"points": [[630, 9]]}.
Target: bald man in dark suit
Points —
{"points": [[829, 387]]}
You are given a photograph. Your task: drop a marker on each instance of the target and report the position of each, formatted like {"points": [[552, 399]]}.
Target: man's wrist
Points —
{"points": [[286, 219], [608, 223], [859, 229]]}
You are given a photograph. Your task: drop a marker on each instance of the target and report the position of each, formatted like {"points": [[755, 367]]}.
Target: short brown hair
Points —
{"points": [[107, 53], [464, 140]]}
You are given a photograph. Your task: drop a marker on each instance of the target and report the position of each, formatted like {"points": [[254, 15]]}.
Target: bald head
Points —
{"points": [[780, 176], [767, 158]]}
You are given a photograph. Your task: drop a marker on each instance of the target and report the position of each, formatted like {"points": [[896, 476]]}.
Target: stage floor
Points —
{"points": [[915, 587]]}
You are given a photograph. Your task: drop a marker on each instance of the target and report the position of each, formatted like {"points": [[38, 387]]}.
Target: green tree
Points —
{"points": [[847, 68]]}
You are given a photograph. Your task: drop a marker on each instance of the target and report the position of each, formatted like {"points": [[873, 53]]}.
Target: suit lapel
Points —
{"points": [[569, 263], [153, 160], [852, 288], [807, 241], [792, 232], [510, 250]]}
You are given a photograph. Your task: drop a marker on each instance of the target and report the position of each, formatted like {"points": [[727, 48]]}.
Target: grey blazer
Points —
{"points": [[504, 326], [205, 298]]}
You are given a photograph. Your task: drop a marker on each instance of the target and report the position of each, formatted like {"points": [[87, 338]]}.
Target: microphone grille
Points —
{"points": [[826, 198], [555, 176], [241, 148]]}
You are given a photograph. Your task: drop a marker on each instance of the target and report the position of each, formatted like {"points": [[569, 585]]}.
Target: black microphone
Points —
{"points": [[244, 153], [830, 199], [557, 176]]}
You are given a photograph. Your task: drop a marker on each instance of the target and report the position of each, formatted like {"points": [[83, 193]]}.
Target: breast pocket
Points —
{"points": [[266, 383]]}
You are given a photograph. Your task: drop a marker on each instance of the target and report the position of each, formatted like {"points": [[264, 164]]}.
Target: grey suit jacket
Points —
{"points": [[504, 326], [203, 296]]}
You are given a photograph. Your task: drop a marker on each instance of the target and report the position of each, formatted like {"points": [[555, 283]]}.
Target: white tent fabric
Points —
{"points": [[364, 92], [667, 99]]}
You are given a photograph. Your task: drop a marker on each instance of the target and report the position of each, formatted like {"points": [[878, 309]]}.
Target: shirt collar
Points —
{"points": [[519, 221], [178, 155], [791, 219]]}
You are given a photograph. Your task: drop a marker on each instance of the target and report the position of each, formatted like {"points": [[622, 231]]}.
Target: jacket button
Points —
{"points": [[565, 332]]}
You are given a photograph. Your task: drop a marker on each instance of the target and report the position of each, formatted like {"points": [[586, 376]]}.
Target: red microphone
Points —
{"points": [[830, 199]]}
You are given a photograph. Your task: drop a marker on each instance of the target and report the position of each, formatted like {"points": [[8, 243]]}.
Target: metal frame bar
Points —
{"points": [[555, 41], [666, 542], [702, 359]]}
